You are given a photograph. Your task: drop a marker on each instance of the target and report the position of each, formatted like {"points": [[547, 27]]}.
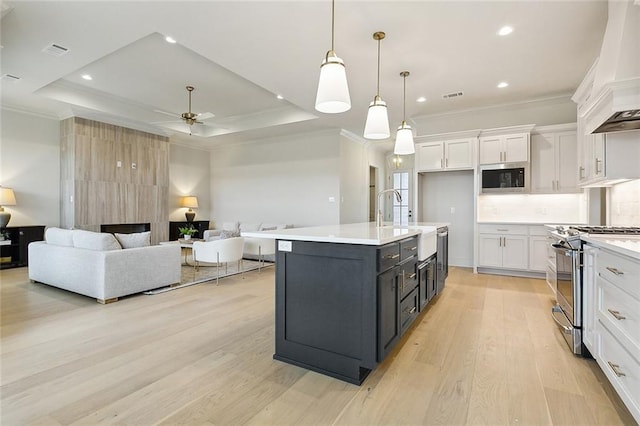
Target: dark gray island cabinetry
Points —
{"points": [[342, 306]]}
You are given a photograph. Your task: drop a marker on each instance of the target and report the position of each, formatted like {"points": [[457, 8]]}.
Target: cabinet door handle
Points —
{"points": [[412, 276], [598, 162], [616, 314], [616, 369], [446, 162], [392, 256], [441, 163], [614, 271], [581, 172], [412, 310]]}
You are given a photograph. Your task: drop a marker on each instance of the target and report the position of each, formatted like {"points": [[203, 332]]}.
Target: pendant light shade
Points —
{"points": [[377, 124], [404, 138], [333, 91]]}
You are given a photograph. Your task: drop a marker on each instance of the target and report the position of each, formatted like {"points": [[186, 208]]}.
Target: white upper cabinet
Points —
{"points": [[453, 151], [553, 160], [603, 159], [504, 145]]}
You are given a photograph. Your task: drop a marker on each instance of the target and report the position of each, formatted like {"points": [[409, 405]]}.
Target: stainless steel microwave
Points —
{"points": [[504, 178]]}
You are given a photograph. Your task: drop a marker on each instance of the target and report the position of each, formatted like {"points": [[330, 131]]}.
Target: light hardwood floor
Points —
{"points": [[486, 352]]}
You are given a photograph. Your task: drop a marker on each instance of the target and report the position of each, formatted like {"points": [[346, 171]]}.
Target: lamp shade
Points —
{"points": [[7, 197], [190, 201], [404, 140], [333, 91], [377, 124]]}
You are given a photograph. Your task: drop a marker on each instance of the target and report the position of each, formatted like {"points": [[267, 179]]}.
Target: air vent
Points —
{"points": [[452, 95], [8, 78], [55, 50]]}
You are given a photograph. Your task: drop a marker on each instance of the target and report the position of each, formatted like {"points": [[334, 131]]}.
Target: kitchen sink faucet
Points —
{"points": [[378, 207]]}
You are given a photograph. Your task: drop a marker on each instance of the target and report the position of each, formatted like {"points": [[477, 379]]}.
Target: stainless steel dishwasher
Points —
{"points": [[442, 257]]}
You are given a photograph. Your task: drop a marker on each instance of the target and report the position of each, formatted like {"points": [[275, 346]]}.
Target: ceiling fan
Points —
{"points": [[195, 124]]}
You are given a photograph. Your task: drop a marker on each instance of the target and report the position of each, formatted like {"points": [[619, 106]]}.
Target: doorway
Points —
{"points": [[373, 190]]}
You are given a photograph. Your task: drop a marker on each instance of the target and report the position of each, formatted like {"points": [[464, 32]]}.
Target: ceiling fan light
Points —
{"points": [[377, 124], [333, 91], [404, 141]]}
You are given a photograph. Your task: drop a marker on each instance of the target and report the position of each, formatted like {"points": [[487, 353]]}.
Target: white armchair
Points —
{"points": [[219, 251], [259, 247]]}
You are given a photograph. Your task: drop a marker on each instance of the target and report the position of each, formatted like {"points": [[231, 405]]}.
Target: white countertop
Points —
{"points": [[628, 245], [353, 233]]}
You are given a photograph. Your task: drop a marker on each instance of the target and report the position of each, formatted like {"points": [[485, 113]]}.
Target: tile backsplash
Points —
{"points": [[624, 204], [533, 208]]}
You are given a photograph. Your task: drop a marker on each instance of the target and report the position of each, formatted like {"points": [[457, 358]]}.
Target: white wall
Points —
{"points": [[30, 164], [533, 208], [189, 175], [542, 112], [439, 193], [279, 180], [624, 204], [355, 159]]}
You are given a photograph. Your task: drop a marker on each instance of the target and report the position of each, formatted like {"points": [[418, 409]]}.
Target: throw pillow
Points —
{"points": [[137, 239], [229, 234], [59, 237], [231, 226], [95, 240]]}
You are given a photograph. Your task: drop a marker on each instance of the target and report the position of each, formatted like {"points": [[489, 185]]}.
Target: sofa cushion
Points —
{"points": [[59, 237], [136, 239], [249, 227], [229, 234], [95, 240]]}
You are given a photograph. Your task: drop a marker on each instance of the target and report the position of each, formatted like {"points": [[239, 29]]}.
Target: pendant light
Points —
{"points": [[333, 92], [377, 124], [404, 137]]}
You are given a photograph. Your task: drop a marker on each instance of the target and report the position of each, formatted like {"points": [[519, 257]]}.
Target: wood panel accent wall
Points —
{"points": [[104, 193]]}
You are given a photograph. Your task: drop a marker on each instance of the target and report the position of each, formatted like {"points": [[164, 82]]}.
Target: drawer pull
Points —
{"points": [[614, 271], [616, 369], [392, 256], [616, 314], [412, 276], [503, 230], [411, 248], [412, 310]]}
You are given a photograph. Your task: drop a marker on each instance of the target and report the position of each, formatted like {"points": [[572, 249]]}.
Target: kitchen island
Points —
{"points": [[345, 294]]}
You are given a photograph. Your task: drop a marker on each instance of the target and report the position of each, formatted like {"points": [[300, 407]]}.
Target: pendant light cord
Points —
{"points": [[404, 98], [332, 22], [378, 85]]}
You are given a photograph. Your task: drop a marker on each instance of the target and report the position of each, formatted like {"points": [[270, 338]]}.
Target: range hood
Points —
{"points": [[614, 102]]}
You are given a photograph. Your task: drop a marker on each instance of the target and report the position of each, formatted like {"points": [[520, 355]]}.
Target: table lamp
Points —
{"points": [[190, 201], [7, 198]]}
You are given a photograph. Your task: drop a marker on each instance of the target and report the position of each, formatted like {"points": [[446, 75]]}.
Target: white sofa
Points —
{"points": [[95, 264]]}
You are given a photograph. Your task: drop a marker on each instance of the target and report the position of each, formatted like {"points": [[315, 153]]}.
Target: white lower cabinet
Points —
{"points": [[503, 246], [538, 253], [611, 315]]}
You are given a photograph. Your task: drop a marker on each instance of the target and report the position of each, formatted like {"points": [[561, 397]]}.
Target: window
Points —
{"points": [[401, 209]]}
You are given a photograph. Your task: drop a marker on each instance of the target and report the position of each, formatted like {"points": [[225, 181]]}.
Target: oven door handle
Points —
{"points": [[559, 248], [559, 309]]}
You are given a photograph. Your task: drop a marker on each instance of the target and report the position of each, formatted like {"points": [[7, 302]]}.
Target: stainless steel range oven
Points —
{"points": [[567, 313]]}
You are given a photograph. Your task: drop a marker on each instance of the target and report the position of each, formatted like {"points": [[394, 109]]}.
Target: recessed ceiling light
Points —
{"points": [[280, 97], [421, 99], [87, 77], [506, 30], [170, 39], [502, 85]]}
